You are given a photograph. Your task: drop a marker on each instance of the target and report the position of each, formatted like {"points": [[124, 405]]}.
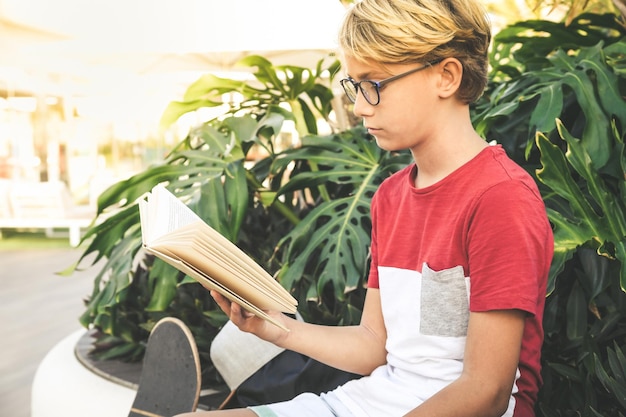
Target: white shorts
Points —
{"points": [[305, 405]]}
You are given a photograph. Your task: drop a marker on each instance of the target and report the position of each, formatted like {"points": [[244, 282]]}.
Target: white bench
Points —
{"points": [[42, 205], [81, 392]]}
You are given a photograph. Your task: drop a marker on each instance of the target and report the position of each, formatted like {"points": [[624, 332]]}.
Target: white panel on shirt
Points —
{"points": [[426, 315]]}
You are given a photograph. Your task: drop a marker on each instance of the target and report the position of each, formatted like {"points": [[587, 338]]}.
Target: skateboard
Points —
{"points": [[170, 377]]}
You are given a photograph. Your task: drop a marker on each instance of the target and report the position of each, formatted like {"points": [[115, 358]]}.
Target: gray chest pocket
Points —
{"points": [[444, 302]]}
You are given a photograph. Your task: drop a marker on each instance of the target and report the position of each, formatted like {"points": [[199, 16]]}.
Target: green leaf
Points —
{"points": [[548, 108], [118, 351], [597, 127], [331, 243], [562, 254], [340, 243], [617, 363], [584, 223], [128, 191], [176, 109], [597, 275], [611, 384], [210, 87], [620, 253], [566, 371], [164, 279], [244, 128], [576, 314], [554, 173], [608, 94]]}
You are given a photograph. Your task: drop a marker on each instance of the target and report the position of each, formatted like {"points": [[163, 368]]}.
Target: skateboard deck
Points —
{"points": [[170, 377]]}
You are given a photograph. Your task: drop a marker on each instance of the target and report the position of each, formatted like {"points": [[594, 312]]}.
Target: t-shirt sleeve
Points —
{"points": [[372, 280], [507, 240]]}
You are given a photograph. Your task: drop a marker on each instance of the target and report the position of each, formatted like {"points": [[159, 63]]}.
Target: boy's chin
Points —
{"points": [[386, 145]]}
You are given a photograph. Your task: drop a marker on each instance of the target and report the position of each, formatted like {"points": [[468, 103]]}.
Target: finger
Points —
{"points": [[222, 302], [216, 295], [237, 310], [239, 314]]}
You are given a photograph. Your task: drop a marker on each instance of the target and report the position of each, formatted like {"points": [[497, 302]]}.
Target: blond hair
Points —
{"points": [[412, 31]]}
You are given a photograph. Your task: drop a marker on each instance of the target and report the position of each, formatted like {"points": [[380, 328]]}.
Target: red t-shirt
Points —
{"points": [[487, 218]]}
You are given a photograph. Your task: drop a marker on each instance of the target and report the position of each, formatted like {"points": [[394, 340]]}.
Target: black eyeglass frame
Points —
{"points": [[378, 84]]}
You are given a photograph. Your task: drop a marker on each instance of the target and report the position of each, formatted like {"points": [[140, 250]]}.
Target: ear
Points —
{"points": [[450, 72]]}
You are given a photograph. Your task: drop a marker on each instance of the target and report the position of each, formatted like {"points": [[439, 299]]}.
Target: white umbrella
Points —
{"points": [[162, 35]]}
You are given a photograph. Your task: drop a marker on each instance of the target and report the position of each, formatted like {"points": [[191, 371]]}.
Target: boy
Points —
{"points": [[461, 246]]}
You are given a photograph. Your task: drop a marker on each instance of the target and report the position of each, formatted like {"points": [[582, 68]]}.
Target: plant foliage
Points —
{"points": [[300, 211]]}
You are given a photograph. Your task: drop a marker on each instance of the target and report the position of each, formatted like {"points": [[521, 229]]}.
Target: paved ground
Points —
{"points": [[38, 308]]}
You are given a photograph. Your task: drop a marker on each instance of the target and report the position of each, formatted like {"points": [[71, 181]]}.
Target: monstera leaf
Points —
{"points": [[544, 71], [331, 243], [595, 214]]}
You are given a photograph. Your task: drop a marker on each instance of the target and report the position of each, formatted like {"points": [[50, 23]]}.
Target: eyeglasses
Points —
{"points": [[371, 89]]}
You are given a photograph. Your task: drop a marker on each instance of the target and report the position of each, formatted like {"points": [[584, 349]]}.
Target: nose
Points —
{"points": [[361, 106]]}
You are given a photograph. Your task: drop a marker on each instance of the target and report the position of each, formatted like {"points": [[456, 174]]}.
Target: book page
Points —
{"points": [[211, 284], [161, 213]]}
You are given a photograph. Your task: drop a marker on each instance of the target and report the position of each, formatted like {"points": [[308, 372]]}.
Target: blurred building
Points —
{"points": [[83, 84]]}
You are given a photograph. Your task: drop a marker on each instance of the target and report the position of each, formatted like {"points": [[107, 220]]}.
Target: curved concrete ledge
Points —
{"points": [[126, 374], [68, 383], [63, 387]]}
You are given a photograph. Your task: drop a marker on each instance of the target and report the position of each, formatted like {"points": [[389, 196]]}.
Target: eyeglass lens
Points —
{"points": [[368, 89]]}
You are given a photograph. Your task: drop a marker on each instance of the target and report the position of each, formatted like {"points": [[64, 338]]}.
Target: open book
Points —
{"points": [[174, 233]]}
